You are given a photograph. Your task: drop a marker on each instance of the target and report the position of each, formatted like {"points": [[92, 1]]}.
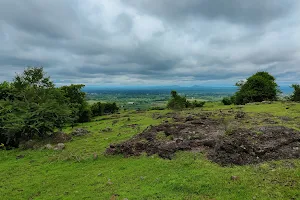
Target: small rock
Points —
{"points": [[59, 147], [234, 178], [109, 182], [189, 118], [108, 129], [48, 146], [114, 197], [95, 156], [80, 132]]}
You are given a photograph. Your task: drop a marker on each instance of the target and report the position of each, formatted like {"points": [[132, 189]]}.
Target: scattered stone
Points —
{"points": [[241, 147], [183, 136], [59, 147], [109, 182], [285, 118], [48, 146], [189, 118], [60, 137], [235, 178], [244, 146], [80, 132], [30, 144], [114, 197], [108, 129], [240, 115], [95, 156]]}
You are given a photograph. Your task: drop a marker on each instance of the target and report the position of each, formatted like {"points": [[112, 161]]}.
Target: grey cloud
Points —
{"points": [[150, 42], [235, 11]]}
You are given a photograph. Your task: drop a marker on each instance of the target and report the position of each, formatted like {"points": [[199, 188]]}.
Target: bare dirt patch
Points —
{"points": [[239, 147]]}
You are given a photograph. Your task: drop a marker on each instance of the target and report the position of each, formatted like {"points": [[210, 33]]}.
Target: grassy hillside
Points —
{"points": [[75, 173]]}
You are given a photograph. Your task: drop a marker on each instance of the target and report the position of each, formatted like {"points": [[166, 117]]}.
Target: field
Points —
{"points": [[83, 171], [147, 97]]}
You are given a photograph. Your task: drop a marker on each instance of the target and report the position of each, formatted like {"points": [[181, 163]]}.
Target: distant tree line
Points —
{"points": [[32, 107]]}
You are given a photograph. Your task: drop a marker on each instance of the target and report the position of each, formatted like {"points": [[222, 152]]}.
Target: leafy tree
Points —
{"points": [[296, 94], [76, 99], [98, 109], [178, 102], [227, 101], [259, 87], [110, 108], [31, 107]]}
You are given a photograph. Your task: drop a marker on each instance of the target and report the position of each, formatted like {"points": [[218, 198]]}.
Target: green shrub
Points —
{"points": [[197, 104], [296, 94], [179, 102], [227, 101]]}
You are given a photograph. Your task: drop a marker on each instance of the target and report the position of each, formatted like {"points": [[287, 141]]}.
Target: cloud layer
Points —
{"points": [[146, 42]]}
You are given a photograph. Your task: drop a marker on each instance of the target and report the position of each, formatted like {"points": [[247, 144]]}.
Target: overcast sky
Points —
{"points": [[151, 42]]}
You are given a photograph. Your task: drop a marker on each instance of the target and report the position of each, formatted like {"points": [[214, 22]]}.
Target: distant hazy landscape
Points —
{"points": [[143, 97]]}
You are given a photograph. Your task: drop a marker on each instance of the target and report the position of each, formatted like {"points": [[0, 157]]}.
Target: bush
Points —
{"points": [[99, 109], [226, 101], [296, 94], [197, 104], [178, 102], [31, 107]]}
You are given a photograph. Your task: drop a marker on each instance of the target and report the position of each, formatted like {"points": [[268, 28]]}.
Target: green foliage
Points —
{"points": [[84, 113], [157, 108], [197, 104], [178, 102], [77, 102], [98, 109], [259, 87], [227, 101], [31, 107], [296, 94], [110, 108]]}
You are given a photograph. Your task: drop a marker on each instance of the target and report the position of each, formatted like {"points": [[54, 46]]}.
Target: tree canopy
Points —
{"points": [[31, 106], [259, 87]]}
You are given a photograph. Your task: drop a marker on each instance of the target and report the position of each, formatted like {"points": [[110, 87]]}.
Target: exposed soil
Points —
{"points": [[244, 146], [239, 147]]}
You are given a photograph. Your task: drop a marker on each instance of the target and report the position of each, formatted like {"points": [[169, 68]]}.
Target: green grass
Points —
{"points": [[74, 174]]}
